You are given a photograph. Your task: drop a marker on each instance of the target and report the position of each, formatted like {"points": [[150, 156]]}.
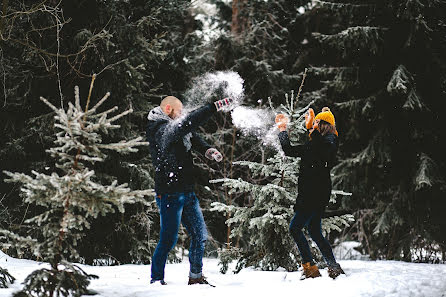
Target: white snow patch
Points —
{"points": [[364, 278], [346, 251]]}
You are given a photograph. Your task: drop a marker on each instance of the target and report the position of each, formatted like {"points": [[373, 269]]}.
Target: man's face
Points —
{"points": [[177, 109]]}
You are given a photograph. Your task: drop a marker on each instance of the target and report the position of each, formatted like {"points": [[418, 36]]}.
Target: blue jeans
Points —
{"points": [[175, 208], [312, 219]]}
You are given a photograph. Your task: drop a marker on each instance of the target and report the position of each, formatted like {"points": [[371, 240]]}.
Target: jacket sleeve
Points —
{"points": [[290, 150], [178, 129], [199, 144]]}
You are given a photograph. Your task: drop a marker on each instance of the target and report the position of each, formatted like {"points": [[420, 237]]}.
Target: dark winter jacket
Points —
{"points": [[318, 156], [170, 146]]}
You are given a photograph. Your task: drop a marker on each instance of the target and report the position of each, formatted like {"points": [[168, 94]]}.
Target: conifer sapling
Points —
{"points": [[71, 197]]}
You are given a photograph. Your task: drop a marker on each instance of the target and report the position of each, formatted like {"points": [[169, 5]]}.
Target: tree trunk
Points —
{"points": [[239, 18]]}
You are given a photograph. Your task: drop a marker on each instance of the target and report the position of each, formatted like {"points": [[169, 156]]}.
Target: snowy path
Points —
{"points": [[365, 278]]}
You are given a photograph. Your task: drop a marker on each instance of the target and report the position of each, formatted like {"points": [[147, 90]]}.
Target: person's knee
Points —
{"points": [[294, 228], [203, 237], [316, 234], [168, 242]]}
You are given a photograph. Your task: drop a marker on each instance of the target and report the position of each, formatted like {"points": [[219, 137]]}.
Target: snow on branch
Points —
{"points": [[427, 174], [364, 38], [70, 199], [403, 84]]}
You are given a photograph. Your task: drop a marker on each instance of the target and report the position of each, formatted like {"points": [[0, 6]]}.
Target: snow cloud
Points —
{"points": [[213, 86]]}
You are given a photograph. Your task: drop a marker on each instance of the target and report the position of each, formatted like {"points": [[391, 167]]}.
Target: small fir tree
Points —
{"points": [[70, 198], [263, 225]]}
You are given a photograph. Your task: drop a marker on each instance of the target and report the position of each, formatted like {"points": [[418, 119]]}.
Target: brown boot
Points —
{"points": [[335, 270], [200, 281], [310, 271]]}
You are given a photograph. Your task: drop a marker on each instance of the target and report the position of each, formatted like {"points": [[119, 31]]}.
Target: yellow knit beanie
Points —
{"points": [[326, 115]]}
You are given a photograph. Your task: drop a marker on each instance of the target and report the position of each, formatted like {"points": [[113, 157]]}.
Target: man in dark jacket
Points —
{"points": [[314, 187], [172, 136]]}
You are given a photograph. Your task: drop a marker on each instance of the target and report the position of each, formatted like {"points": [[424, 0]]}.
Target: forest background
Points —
{"points": [[381, 67]]}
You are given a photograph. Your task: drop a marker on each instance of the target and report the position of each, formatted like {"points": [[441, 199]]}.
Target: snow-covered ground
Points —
{"points": [[364, 278]]}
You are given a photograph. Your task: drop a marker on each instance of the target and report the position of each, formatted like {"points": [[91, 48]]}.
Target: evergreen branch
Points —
{"points": [[93, 78], [77, 101], [101, 101], [366, 38], [301, 84], [49, 104], [342, 5]]}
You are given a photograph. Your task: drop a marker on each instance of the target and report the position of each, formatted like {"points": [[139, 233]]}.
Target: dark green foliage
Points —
{"points": [[379, 65], [5, 278], [264, 51], [383, 78], [70, 280], [135, 48]]}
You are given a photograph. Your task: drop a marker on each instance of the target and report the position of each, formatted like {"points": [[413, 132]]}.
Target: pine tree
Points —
{"points": [[70, 198], [382, 70], [5, 278], [46, 48], [263, 224]]}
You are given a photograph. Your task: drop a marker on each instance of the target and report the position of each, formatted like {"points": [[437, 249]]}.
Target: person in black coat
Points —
{"points": [[318, 156], [172, 137]]}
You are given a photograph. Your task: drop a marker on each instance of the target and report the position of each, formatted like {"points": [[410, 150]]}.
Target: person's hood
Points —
{"points": [[158, 114]]}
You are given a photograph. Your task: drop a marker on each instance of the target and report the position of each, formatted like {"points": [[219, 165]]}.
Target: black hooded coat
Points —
{"points": [[170, 146]]}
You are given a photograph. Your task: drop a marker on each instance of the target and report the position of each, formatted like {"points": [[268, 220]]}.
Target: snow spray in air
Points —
{"points": [[258, 122], [213, 86]]}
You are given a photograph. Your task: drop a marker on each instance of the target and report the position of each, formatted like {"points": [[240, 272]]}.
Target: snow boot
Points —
{"points": [[310, 271], [200, 281], [155, 281], [335, 270]]}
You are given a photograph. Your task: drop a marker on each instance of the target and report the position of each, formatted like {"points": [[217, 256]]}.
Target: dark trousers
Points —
{"points": [[312, 220], [175, 208]]}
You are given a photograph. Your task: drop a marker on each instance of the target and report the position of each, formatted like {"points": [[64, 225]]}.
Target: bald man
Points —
{"points": [[172, 136]]}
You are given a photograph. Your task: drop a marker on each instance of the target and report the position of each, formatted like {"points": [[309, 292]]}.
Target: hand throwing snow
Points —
{"points": [[223, 104], [282, 122]]}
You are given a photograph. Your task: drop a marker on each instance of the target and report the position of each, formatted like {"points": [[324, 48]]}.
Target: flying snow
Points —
{"points": [[214, 86], [257, 122]]}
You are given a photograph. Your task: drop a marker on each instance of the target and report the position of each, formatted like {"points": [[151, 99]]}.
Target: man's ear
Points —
{"points": [[168, 109]]}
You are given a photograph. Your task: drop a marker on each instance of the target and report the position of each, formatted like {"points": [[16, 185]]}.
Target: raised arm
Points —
{"points": [[291, 150], [177, 129]]}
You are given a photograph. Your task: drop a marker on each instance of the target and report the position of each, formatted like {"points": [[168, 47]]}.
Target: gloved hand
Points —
{"points": [[281, 121], [316, 124], [213, 154], [220, 104], [309, 119]]}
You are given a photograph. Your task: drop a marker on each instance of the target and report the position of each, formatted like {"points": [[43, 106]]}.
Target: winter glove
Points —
{"points": [[281, 121], [213, 154], [309, 119], [223, 103], [315, 125]]}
